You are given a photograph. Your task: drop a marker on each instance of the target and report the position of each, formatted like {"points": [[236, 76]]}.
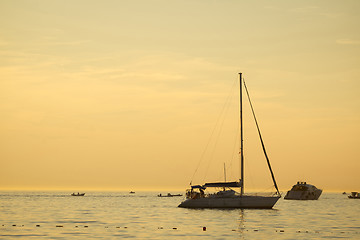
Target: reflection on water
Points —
{"points": [[241, 223], [146, 216]]}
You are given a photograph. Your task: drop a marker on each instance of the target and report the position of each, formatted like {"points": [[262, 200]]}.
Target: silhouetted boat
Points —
{"points": [[354, 195], [227, 197], [78, 194], [303, 191], [132, 192], [170, 195]]}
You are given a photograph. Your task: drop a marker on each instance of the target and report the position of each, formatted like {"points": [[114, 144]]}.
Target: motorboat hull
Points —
{"points": [[354, 197], [303, 195], [260, 202], [77, 194], [175, 195]]}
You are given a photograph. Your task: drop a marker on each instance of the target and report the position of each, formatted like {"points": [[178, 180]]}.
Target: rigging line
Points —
{"points": [[223, 115], [235, 151], [211, 135], [262, 142]]}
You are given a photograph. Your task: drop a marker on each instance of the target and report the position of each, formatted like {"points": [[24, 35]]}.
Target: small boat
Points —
{"points": [[225, 196], [78, 194], [354, 195], [344, 193], [303, 191], [131, 192], [170, 195]]}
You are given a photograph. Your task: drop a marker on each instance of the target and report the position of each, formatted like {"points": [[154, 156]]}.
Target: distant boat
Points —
{"points": [[227, 197], [303, 191], [132, 192], [344, 193], [170, 195], [354, 195], [78, 194]]}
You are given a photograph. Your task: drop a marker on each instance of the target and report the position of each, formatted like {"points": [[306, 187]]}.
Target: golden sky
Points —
{"points": [[125, 94]]}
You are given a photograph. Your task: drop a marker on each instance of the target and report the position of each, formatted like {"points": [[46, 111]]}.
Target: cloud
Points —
{"points": [[346, 41], [69, 43], [306, 9]]}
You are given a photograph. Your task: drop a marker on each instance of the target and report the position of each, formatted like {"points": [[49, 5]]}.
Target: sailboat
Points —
{"points": [[227, 197]]}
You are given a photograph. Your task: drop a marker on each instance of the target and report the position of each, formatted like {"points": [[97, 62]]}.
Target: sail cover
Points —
{"points": [[222, 184]]}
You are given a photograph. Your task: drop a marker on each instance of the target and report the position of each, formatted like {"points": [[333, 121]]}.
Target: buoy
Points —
{"points": [[204, 228], [86, 226], [174, 228], [38, 225], [14, 225], [59, 226], [255, 230], [76, 226], [282, 231]]}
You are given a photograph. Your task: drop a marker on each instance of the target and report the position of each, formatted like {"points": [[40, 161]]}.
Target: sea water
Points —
{"points": [[143, 215]]}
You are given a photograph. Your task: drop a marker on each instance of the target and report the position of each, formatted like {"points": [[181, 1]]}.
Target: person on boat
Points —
{"points": [[202, 194]]}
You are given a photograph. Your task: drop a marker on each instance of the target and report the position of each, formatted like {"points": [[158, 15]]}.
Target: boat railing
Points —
{"points": [[262, 194]]}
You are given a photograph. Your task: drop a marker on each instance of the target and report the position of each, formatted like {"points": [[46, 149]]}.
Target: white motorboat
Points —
{"points": [[226, 197], [170, 195], [303, 191], [354, 195]]}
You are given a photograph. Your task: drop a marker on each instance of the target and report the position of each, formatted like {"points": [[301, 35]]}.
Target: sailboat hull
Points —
{"points": [[260, 202]]}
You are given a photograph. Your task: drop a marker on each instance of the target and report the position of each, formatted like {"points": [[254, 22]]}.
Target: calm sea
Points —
{"points": [[143, 215]]}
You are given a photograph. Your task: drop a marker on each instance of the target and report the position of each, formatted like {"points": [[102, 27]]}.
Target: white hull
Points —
{"points": [[231, 202], [303, 195]]}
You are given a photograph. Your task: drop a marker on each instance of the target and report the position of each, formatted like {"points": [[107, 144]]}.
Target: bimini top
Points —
{"points": [[222, 184], [198, 186], [217, 184]]}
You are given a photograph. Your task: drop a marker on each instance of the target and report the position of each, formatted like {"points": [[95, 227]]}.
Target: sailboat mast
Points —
{"points": [[241, 142]]}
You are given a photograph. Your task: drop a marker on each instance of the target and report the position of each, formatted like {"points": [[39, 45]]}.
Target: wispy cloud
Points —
{"points": [[318, 11], [305, 9], [69, 43], [347, 41]]}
